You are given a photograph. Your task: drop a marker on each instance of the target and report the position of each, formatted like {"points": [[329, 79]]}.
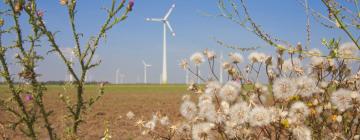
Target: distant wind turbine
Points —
{"points": [[145, 71], [122, 77], [166, 23], [69, 53], [117, 76]]}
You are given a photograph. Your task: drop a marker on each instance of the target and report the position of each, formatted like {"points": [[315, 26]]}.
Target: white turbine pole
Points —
{"points": [[220, 67], [164, 68], [166, 24], [117, 76], [145, 80], [145, 71], [122, 76]]}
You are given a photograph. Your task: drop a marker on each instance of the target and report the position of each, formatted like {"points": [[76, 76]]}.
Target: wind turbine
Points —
{"points": [[117, 76], [122, 76], [166, 23], [69, 53], [145, 70]]}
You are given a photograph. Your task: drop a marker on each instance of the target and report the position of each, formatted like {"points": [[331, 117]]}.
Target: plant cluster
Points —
{"points": [[26, 103]]}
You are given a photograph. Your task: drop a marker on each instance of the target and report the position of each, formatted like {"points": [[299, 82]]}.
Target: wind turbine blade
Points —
{"points": [[169, 12], [154, 19], [144, 62], [170, 28]]}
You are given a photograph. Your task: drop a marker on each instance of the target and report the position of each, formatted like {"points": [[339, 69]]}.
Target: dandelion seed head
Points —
{"points": [[205, 98], [197, 58], [210, 54], [342, 99], [299, 110], [348, 50], [226, 65], [236, 58], [207, 111], [259, 116], [184, 128], [184, 64], [302, 133], [230, 91], [255, 57], [150, 125], [202, 131], [130, 115], [291, 65], [239, 113], [225, 107], [306, 86], [284, 88], [165, 121], [188, 110], [212, 87]]}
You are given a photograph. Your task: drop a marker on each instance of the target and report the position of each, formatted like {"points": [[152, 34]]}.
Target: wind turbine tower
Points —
{"points": [[145, 71], [166, 24]]}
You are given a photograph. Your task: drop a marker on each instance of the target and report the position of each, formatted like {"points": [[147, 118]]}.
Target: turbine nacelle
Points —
{"points": [[165, 20]]}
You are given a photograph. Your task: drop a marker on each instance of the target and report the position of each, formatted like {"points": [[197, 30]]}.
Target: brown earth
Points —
{"points": [[143, 100]]}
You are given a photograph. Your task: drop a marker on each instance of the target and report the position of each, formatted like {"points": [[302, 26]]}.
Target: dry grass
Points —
{"points": [[143, 100]]}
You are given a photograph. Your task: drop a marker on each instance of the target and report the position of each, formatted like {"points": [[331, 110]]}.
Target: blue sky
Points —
{"points": [[135, 39]]}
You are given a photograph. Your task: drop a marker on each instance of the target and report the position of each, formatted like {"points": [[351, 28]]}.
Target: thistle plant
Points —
{"points": [[26, 100]]}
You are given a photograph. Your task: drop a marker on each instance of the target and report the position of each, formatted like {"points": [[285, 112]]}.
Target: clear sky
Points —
{"points": [[135, 39]]}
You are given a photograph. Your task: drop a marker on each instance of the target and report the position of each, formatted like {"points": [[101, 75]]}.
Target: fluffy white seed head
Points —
{"points": [[230, 91], [348, 50], [197, 58], [284, 88], [202, 131], [239, 113], [212, 87], [255, 57], [164, 121], [302, 133], [306, 86], [210, 54], [207, 111], [130, 115], [342, 99], [293, 64], [299, 110], [188, 110], [236, 57], [259, 116]]}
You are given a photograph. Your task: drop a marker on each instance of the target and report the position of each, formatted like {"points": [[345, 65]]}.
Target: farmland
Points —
{"points": [[143, 100]]}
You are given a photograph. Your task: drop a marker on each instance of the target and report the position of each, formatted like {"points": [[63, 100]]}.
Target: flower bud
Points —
{"points": [[18, 7], [63, 2], [28, 97], [2, 22], [131, 5]]}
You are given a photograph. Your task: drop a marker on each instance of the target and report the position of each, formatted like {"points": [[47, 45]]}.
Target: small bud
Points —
{"points": [[18, 7], [2, 22], [28, 97], [40, 13], [63, 2], [131, 5]]}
